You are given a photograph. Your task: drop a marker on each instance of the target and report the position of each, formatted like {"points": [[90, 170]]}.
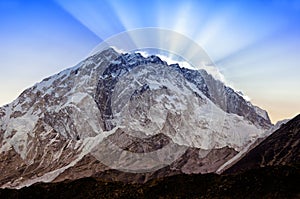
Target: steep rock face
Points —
{"points": [[127, 113], [280, 148], [225, 97], [232, 102]]}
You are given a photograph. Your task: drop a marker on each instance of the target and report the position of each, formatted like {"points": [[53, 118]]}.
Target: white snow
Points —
{"points": [[19, 128]]}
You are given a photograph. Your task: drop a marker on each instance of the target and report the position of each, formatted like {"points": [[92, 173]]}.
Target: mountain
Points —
{"points": [[280, 148], [124, 117]]}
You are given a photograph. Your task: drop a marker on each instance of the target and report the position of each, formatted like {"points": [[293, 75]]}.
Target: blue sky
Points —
{"points": [[255, 44]]}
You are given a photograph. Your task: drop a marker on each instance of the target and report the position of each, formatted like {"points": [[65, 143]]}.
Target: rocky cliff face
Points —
{"points": [[123, 113]]}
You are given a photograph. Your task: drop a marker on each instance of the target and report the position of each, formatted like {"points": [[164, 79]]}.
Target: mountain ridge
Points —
{"points": [[75, 114]]}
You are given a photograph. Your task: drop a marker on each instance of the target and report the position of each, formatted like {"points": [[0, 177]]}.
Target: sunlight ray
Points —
{"points": [[99, 17]]}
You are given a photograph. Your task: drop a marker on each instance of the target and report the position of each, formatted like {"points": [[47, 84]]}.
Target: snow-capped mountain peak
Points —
{"points": [[125, 108]]}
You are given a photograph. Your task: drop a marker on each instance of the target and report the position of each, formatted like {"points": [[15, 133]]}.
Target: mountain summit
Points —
{"points": [[124, 117]]}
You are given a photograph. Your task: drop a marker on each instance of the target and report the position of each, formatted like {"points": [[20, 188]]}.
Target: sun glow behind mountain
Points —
{"points": [[254, 44]]}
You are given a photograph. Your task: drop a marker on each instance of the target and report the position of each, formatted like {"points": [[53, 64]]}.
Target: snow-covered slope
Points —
{"points": [[165, 114]]}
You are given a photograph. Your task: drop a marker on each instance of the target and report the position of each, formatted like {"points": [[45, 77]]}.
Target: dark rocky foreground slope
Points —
{"points": [[280, 148], [269, 182]]}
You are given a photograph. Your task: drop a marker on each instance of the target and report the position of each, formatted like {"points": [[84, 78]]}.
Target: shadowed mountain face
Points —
{"points": [[280, 148]]}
